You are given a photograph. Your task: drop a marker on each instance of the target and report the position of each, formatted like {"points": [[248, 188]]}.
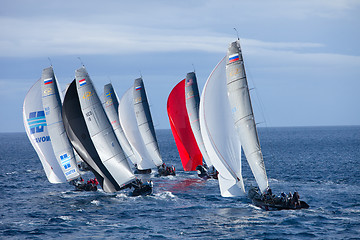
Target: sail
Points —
{"points": [[189, 152], [79, 136], [37, 132], [192, 100], [131, 129], [242, 113], [100, 130], [111, 107], [60, 143], [218, 131], [144, 121]]}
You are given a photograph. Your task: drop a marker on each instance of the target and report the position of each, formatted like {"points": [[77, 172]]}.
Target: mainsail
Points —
{"points": [[37, 132], [189, 152], [144, 121], [242, 113], [100, 130], [219, 134], [60, 143], [132, 132], [111, 107], [80, 139], [192, 100]]}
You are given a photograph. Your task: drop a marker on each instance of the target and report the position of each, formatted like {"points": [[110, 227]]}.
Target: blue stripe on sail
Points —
{"points": [[36, 122], [35, 118], [30, 123]]}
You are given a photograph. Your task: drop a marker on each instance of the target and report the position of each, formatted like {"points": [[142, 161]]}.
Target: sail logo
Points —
{"points": [[82, 82], [137, 100], [47, 111], [108, 94], [48, 81], [42, 139], [48, 91], [36, 122], [65, 161], [137, 88], [109, 102], [234, 57], [87, 95], [190, 94], [189, 82], [70, 172]]}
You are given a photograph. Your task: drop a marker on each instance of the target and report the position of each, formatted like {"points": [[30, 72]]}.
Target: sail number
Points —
{"points": [[88, 115]]}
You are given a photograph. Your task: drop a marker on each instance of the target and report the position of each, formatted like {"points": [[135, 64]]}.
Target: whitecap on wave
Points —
{"points": [[95, 202], [165, 195]]}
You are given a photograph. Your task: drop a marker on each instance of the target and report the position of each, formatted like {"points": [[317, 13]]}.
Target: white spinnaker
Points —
{"points": [[128, 122], [220, 139], [100, 130], [36, 130]]}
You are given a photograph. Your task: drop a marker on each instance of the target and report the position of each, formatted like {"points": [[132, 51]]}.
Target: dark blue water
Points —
{"points": [[322, 163]]}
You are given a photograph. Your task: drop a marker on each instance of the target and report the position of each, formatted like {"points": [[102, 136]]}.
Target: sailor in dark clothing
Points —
{"points": [[202, 172]]}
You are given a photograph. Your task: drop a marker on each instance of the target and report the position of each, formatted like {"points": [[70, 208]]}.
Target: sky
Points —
{"points": [[302, 58]]}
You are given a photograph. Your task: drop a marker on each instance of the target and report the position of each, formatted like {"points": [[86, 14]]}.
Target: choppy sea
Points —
{"points": [[321, 163]]}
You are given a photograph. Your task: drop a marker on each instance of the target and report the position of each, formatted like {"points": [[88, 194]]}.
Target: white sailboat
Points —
{"points": [[192, 101], [45, 129], [111, 106], [242, 113], [219, 134], [227, 124], [100, 130], [135, 117]]}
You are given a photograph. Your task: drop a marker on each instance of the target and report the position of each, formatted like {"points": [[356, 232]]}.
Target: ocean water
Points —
{"points": [[322, 163]]}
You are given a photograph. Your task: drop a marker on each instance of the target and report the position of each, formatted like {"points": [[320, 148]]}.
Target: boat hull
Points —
{"points": [[275, 203]]}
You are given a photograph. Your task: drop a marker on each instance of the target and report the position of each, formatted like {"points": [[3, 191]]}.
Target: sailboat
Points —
{"points": [[183, 113], [188, 149], [227, 125], [136, 120], [45, 129], [92, 136], [111, 106]]}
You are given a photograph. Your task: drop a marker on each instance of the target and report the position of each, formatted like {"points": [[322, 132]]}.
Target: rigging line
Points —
{"points": [[50, 61], [260, 102], [193, 67], [81, 62], [237, 34]]}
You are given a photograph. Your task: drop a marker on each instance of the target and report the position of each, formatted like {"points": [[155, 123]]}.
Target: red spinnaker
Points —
{"points": [[180, 126]]}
